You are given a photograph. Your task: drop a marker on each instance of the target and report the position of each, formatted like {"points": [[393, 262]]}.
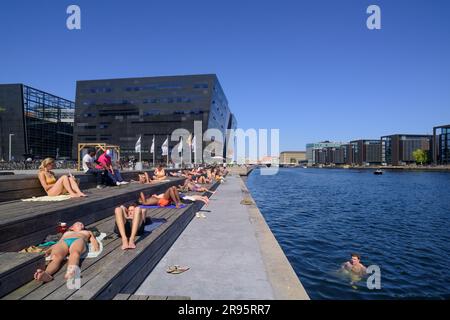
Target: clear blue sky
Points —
{"points": [[309, 68]]}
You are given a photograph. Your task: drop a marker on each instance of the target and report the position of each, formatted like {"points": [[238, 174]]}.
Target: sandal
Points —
{"points": [[177, 269]]}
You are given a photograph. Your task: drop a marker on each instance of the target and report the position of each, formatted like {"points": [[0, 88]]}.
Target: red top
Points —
{"points": [[104, 159]]}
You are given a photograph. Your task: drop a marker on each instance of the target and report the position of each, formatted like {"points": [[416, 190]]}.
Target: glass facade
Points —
{"points": [[34, 123], [118, 111], [48, 124], [442, 145]]}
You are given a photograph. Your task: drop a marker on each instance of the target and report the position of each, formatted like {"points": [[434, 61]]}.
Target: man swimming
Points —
{"points": [[355, 266], [73, 243]]}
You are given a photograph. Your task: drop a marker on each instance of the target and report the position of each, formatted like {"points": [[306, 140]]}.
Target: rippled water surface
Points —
{"points": [[398, 221]]}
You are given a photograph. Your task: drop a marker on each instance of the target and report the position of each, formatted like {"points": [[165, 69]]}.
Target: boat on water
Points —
{"points": [[378, 172]]}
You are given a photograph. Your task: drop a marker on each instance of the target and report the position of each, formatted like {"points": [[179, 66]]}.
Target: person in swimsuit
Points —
{"points": [[130, 223], [163, 200], [56, 187], [73, 243], [355, 266], [144, 178], [160, 173]]}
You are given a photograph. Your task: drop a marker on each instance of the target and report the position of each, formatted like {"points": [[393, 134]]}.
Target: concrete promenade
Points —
{"points": [[232, 255]]}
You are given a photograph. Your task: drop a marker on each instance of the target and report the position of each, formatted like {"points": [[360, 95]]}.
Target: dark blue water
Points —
{"points": [[398, 221]]}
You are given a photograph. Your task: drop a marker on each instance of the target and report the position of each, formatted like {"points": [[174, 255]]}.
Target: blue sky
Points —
{"points": [[310, 68]]}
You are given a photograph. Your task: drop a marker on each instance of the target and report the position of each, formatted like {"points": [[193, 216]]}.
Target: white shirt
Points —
{"points": [[87, 159]]}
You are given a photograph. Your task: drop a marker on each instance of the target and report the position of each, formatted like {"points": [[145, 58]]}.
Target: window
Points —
{"points": [[201, 86]]}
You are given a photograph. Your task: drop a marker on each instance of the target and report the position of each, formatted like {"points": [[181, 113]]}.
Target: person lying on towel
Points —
{"points": [[162, 200], [130, 223], [73, 244]]}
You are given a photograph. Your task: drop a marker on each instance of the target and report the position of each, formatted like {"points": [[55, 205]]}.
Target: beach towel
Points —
{"points": [[47, 199], [167, 207], [156, 223], [90, 254]]}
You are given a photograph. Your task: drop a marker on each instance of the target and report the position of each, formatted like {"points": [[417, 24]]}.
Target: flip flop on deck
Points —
{"points": [[177, 269]]}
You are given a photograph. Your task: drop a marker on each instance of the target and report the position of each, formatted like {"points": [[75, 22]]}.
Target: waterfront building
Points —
{"points": [[293, 157], [441, 145], [338, 155], [34, 123], [398, 149], [315, 153], [366, 152], [119, 111]]}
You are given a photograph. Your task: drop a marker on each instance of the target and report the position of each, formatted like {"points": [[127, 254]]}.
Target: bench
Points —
{"points": [[24, 224], [115, 271]]}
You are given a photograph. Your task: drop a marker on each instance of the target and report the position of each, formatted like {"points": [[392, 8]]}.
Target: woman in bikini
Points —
{"points": [[162, 200], [73, 243], [56, 187], [160, 173]]}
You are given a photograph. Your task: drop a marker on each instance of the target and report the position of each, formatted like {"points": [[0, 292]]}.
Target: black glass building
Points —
{"points": [[119, 111], [441, 150], [34, 123]]}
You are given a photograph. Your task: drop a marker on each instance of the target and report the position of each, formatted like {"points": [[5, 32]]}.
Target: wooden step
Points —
{"points": [[16, 269], [115, 271], [24, 224], [123, 296]]}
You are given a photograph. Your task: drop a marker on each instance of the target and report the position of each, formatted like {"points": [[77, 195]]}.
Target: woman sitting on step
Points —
{"points": [[56, 187], [130, 223]]}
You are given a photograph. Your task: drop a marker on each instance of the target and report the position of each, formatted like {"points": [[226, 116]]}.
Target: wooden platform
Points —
{"points": [[115, 271], [16, 269], [24, 224], [16, 187]]}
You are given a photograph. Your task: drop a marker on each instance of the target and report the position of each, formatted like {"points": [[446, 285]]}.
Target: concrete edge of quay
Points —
{"points": [[284, 281]]}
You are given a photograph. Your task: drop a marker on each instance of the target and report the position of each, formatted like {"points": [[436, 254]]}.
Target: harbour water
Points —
{"points": [[399, 221]]}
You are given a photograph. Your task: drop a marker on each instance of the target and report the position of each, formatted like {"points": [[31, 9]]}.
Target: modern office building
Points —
{"points": [[365, 152], [441, 145], [315, 153], [119, 111], [398, 149], [293, 157], [34, 123]]}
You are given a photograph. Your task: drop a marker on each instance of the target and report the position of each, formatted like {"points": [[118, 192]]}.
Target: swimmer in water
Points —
{"points": [[355, 268]]}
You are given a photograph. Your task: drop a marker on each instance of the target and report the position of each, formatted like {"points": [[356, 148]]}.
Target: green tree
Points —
{"points": [[420, 156]]}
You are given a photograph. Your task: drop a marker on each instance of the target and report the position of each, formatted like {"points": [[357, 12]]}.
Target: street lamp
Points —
{"points": [[10, 136]]}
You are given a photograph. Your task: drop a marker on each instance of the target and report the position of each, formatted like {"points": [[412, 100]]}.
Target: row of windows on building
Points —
{"points": [[169, 100], [165, 86], [150, 113]]}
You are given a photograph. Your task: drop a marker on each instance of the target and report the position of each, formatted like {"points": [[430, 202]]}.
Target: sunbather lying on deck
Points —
{"points": [[190, 185], [56, 187], [130, 223], [144, 178], [73, 243], [162, 200]]}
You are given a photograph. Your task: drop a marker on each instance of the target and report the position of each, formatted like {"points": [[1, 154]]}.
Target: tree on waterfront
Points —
{"points": [[420, 156]]}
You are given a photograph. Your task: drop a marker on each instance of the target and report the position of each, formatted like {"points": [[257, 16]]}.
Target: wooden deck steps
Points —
{"points": [[16, 268], [16, 187], [24, 224], [115, 271]]}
